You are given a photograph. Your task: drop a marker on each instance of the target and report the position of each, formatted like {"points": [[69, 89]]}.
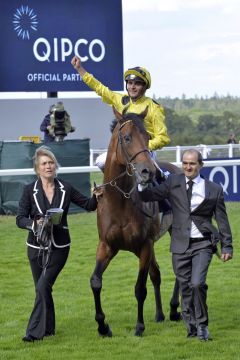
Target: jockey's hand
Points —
{"points": [[76, 62]]}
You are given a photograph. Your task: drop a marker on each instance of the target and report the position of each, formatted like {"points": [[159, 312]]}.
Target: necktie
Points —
{"points": [[189, 191]]}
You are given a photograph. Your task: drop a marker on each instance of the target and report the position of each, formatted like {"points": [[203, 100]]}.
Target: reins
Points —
{"points": [[129, 166], [129, 171], [44, 236]]}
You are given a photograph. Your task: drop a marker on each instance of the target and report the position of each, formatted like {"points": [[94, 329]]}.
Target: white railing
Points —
{"points": [[228, 152], [174, 152], [61, 170], [85, 169]]}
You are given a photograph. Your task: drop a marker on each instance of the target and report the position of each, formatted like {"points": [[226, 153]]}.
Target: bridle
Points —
{"points": [[130, 168], [121, 142]]}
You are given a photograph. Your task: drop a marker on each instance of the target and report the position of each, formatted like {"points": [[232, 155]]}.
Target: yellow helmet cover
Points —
{"points": [[139, 72]]}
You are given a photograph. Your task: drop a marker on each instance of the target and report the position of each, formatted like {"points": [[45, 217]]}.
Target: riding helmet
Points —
{"points": [[138, 74]]}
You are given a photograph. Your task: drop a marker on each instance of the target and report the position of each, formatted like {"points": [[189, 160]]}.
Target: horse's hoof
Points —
{"points": [[105, 331], [160, 317], [176, 316], [139, 329]]}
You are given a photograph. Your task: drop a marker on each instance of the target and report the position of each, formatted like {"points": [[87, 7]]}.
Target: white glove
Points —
{"points": [[142, 187]]}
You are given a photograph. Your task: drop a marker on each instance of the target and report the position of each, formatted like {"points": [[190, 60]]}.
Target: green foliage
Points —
{"points": [[76, 333], [201, 121]]}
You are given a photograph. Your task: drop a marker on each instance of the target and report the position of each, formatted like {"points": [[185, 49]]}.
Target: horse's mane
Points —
{"points": [[113, 125], [135, 118]]}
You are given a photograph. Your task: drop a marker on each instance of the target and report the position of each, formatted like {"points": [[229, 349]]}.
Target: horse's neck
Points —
{"points": [[112, 170]]}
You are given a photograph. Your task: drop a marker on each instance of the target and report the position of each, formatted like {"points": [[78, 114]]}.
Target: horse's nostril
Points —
{"points": [[145, 171]]}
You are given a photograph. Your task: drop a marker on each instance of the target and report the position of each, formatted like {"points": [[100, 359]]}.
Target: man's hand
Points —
{"points": [[142, 187], [225, 257]]}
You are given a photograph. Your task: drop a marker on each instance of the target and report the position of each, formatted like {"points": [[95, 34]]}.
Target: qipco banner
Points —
{"points": [[228, 177], [39, 38]]}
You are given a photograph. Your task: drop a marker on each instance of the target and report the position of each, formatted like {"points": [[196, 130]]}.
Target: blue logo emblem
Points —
{"points": [[24, 22]]}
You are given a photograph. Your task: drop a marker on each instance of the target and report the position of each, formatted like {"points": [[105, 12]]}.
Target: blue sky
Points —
{"points": [[190, 47]]}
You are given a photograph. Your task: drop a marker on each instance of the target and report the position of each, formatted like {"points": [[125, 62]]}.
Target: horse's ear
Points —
{"points": [[117, 114], [144, 113]]}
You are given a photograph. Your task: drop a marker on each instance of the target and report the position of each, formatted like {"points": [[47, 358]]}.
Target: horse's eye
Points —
{"points": [[127, 138]]}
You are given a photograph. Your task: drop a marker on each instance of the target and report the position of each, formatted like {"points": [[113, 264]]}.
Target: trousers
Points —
{"points": [[191, 270], [42, 318]]}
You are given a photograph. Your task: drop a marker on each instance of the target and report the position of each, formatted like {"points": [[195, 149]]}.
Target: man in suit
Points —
{"points": [[195, 202]]}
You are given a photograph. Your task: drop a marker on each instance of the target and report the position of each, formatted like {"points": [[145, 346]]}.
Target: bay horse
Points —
{"points": [[126, 223]]}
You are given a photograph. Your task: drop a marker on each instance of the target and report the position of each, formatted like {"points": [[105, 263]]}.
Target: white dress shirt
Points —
{"points": [[198, 195]]}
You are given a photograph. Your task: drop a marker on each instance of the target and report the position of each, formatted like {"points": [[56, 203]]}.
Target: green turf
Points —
{"points": [[76, 332]]}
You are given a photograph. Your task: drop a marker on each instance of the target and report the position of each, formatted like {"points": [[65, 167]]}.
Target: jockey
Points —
{"points": [[138, 80]]}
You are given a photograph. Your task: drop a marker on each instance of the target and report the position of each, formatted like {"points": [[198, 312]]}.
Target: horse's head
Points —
{"points": [[132, 146]]}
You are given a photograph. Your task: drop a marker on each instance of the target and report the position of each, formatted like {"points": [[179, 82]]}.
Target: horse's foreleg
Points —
{"points": [[174, 303], [155, 276], [141, 287], [104, 256]]}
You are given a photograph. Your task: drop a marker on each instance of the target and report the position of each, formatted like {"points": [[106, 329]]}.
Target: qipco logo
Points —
{"points": [[59, 49]]}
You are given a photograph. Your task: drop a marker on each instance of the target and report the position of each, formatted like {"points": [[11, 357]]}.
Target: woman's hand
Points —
{"points": [[97, 191]]}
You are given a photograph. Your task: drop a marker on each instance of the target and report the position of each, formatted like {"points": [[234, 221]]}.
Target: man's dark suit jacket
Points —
{"points": [[34, 202], [212, 206]]}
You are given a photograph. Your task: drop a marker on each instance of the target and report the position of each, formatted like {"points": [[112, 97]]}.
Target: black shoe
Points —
{"points": [[52, 333], [191, 334], [29, 338], [203, 333], [192, 331]]}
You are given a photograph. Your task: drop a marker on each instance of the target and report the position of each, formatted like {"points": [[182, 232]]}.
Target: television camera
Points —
{"points": [[60, 122]]}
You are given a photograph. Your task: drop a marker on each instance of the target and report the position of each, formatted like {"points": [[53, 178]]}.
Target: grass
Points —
{"points": [[76, 332]]}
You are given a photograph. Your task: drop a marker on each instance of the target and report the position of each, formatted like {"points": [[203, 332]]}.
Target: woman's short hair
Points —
{"points": [[43, 151]]}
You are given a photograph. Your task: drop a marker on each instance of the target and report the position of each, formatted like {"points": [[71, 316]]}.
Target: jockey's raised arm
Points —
{"points": [[137, 80]]}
